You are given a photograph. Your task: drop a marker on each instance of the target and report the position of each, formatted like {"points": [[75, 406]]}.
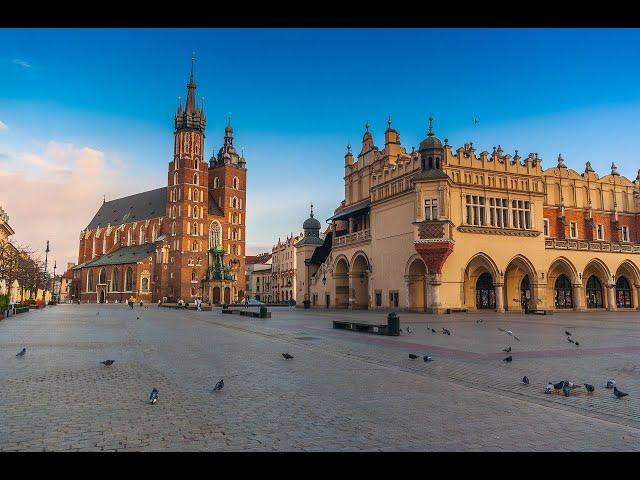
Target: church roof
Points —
{"points": [[141, 206], [123, 255], [321, 253]]}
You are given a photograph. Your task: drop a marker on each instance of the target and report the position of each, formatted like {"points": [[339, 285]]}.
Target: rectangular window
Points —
{"points": [[393, 299], [431, 209], [521, 214], [378, 298], [574, 230], [625, 233], [476, 214], [498, 212], [546, 227], [600, 232]]}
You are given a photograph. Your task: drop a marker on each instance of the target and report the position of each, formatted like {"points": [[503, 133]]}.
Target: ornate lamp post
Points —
{"points": [[53, 286], [46, 257]]}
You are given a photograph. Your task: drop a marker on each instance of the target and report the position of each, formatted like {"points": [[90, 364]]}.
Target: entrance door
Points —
{"points": [[594, 293], [624, 298], [485, 292], [564, 292], [101, 296], [227, 295], [216, 296], [525, 291], [328, 300]]}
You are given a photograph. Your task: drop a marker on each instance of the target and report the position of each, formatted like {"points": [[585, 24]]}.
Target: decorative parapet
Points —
{"points": [[352, 238], [551, 243]]}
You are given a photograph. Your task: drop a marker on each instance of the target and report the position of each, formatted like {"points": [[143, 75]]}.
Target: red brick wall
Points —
{"points": [[585, 231]]}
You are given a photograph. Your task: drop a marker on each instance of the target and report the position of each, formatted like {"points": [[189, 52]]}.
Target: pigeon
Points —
{"points": [[21, 352], [219, 385], [107, 362], [153, 398], [508, 359], [287, 356], [508, 332], [479, 320], [572, 385], [548, 388], [413, 356], [506, 350], [611, 383], [408, 330], [567, 333], [433, 330], [525, 380], [427, 358], [589, 388], [569, 340], [401, 331], [619, 393], [445, 331], [577, 344], [137, 318], [566, 390], [559, 385]]}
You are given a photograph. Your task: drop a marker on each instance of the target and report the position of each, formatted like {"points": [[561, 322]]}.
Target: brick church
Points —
{"points": [[182, 241]]}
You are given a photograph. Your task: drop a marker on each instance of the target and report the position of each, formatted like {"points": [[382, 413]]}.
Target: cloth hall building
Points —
{"points": [[437, 230], [181, 241]]}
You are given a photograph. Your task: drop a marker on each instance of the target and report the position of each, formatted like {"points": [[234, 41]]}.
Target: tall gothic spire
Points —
{"points": [[191, 89], [192, 116]]}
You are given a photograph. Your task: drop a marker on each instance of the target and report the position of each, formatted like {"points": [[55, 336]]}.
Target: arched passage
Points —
{"points": [[341, 277], [417, 281], [597, 281], [479, 283], [627, 282], [360, 282], [561, 278], [518, 279]]}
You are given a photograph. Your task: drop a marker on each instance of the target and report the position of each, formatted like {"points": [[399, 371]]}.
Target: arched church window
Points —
{"points": [[129, 280], [90, 286], [215, 234], [129, 237], [195, 179], [197, 164], [235, 182], [141, 240], [195, 212], [173, 228], [175, 178], [195, 228], [216, 182]]}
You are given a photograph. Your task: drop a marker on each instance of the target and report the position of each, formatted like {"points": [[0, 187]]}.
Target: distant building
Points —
{"points": [[284, 269], [66, 285], [258, 275]]}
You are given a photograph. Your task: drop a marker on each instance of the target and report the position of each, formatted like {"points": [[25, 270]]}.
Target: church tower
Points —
{"points": [[228, 188], [187, 201]]}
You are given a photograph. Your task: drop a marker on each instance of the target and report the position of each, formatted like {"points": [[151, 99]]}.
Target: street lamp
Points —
{"points": [[46, 257], [53, 287]]}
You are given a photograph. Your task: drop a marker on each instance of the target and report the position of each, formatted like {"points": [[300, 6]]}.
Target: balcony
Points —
{"points": [[432, 231], [352, 238]]}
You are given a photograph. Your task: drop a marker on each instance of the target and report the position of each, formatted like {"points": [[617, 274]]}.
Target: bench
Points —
{"points": [[541, 312], [360, 327], [246, 313], [457, 310]]}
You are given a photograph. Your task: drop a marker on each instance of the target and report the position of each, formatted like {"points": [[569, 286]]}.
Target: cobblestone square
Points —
{"points": [[343, 391]]}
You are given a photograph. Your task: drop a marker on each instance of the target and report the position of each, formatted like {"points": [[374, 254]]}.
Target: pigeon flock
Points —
{"points": [[564, 387]]}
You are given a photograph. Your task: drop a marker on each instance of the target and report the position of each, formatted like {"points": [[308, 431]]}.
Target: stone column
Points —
{"points": [[435, 282], [350, 224], [578, 298], [499, 298], [352, 290], [611, 298], [407, 293]]}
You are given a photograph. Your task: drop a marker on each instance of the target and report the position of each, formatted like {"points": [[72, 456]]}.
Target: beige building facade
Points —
{"points": [[258, 275], [284, 269], [437, 230]]}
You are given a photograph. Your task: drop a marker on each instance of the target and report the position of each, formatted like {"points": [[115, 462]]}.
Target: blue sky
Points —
{"points": [[106, 97]]}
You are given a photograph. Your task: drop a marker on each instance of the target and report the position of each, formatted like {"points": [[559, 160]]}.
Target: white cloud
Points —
{"points": [[3, 126], [22, 63], [52, 194]]}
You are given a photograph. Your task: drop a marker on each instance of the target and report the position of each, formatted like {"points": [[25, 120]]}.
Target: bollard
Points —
{"points": [[263, 311]]}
